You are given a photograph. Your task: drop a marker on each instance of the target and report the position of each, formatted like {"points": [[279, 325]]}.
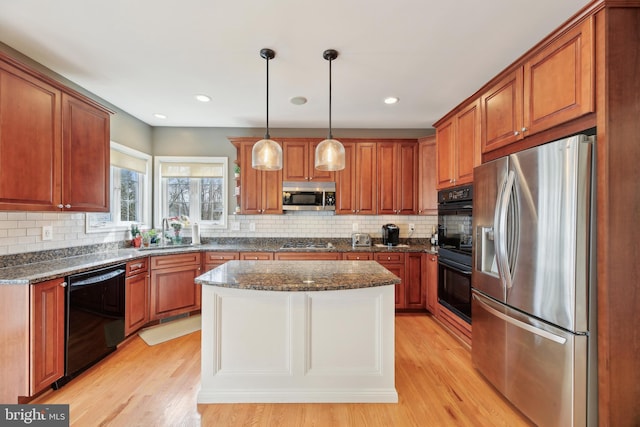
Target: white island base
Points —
{"points": [[283, 347]]}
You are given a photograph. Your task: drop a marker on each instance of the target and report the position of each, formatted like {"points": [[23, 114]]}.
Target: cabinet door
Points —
{"points": [[467, 143], [136, 302], [502, 112], [315, 174], [559, 80], [394, 262], [173, 291], [85, 156], [427, 193], [271, 192], [250, 182], [407, 172], [30, 142], [387, 177], [366, 180], [346, 182], [295, 160], [432, 284], [415, 283], [47, 333], [446, 153]]}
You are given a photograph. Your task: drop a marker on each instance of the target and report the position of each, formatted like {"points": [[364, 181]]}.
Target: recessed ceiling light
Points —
{"points": [[159, 116], [203, 98], [391, 100], [298, 100]]}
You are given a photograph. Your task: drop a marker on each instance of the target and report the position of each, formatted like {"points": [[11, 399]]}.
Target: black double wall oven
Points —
{"points": [[455, 250]]}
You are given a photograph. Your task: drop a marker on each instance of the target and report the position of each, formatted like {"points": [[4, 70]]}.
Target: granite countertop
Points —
{"points": [[300, 276], [24, 269]]}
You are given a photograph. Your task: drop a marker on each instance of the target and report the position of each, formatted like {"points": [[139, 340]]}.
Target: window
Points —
{"points": [[195, 187], [130, 195]]}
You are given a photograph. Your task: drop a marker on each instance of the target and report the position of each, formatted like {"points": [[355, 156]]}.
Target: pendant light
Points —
{"points": [[266, 153], [330, 152]]}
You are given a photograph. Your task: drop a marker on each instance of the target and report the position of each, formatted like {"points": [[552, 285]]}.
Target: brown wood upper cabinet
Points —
{"points": [[356, 184], [298, 162], [61, 136], [260, 191], [427, 194], [553, 86], [397, 172], [458, 146]]}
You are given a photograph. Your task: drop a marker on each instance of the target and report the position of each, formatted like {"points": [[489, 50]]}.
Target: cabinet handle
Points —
{"points": [[63, 284], [524, 129], [136, 266], [68, 206], [516, 133], [60, 206], [388, 258]]}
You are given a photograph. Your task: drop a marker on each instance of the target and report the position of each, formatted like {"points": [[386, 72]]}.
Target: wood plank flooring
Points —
{"points": [[157, 386]]}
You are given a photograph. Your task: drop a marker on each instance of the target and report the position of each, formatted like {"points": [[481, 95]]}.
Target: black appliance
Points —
{"points": [[455, 241], [94, 317], [390, 234], [308, 196]]}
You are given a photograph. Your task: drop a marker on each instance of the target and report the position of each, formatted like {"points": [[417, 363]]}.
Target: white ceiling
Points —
{"points": [[153, 56]]}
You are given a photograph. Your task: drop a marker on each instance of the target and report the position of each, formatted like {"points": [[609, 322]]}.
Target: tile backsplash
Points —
{"points": [[21, 232]]}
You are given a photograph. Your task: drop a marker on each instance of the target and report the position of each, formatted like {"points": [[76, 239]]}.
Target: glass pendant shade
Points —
{"points": [[330, 155], [266, 155]]}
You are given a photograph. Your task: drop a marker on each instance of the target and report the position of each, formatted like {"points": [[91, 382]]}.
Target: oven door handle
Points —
{"points": [[455, 266]]}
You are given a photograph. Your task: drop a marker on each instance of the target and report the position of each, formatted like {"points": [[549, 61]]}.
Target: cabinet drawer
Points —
{"points": [[216, 257], [357, 256], [138, 266], [308, 256], [387, 257], [259, 256], [166, 261]]}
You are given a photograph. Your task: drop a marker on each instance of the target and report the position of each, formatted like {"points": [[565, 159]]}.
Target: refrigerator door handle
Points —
{"points": [[519, 324], [501, 211]]}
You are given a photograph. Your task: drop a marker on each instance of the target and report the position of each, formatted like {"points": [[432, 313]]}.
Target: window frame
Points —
{"points": [[159, 202], [104, 222]]}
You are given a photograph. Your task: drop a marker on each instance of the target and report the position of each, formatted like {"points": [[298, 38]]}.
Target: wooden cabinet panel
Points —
{"points": [[212, 260], [260, 191], [357, 256], [299, 162], [553, 86], [173, 290], [63, 138], [308, 256], [136, 267], [395, 263], [415, 297], [458, 146], [356, 184], [427, 192], [432, 283], [30, 135], [85, 156], [136, 302], [256, 256], [47, 333], [397, 191]]}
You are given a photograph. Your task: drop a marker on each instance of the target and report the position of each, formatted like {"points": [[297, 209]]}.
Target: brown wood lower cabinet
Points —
{"points": [[47, 334], [173, 290], [215, 259], [136, 296], [415, 287], [256, 256], [431, 270], [308, 256], [394, 262], [357, 256]]}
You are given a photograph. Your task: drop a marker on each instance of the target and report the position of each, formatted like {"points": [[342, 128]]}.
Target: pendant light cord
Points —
{"points": [[266, 135], [330, 134]]}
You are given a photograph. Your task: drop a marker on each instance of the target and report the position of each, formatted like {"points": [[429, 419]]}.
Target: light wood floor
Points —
{"points": [[157, 386]]}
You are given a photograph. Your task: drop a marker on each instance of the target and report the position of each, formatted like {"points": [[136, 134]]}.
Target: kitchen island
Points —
{"points": [[298, 331]]}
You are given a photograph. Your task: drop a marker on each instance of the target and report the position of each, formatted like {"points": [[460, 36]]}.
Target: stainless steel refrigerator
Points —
{"points": [[533, 280]]}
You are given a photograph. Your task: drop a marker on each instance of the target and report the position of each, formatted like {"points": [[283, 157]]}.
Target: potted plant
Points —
{"points": [[146, 238], [136, 238], [236, 171]]}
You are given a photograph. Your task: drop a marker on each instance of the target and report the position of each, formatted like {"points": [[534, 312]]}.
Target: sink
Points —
{"points": [[157, 248], [380, 245]]}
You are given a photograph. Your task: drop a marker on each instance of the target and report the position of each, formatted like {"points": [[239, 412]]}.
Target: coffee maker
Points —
{"points": [[390, 234]]}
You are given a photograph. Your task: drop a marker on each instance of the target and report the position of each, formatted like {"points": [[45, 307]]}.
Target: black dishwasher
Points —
{"points": [[94, 318]]}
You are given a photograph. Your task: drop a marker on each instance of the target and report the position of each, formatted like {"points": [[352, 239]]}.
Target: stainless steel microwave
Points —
{"points": [[308, 196]]}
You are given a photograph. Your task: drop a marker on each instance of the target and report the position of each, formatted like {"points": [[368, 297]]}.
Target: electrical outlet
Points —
{"points": [[235, 226], [354, 226], [47, 232], [412, 228], [252, 226]]}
